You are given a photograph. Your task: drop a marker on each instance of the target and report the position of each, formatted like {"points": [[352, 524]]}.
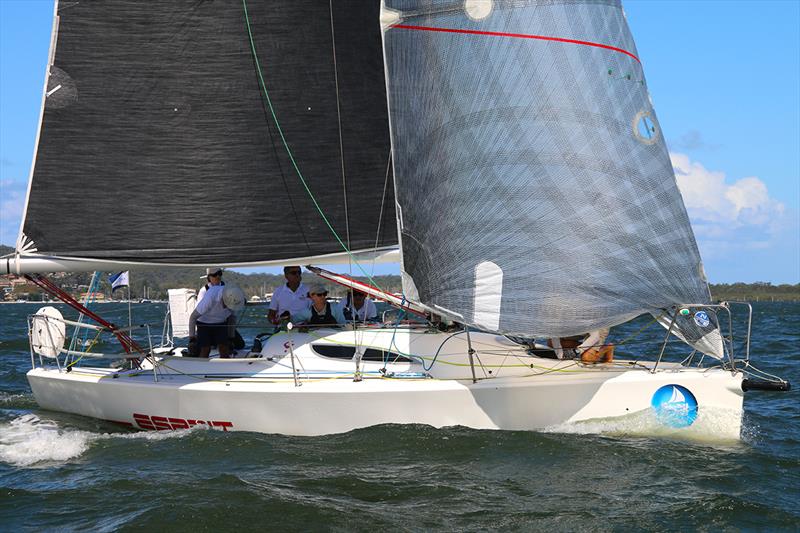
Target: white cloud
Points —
{"points": [[11, 207], [12, 200], [717, 207], [743, 233]]}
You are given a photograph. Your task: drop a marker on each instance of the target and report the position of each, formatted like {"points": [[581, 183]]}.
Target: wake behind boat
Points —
{"points": [[531, 196]]}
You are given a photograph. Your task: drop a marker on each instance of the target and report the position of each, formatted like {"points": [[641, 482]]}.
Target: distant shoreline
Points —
{"points": [[156, 281]]}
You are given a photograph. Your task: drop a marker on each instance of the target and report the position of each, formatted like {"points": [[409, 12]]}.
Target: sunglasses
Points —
{"points": [[315, 294], [293, 273]]}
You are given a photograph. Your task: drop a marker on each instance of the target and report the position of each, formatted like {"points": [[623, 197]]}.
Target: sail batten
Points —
{"points": [[524, 138], [155, 130]]}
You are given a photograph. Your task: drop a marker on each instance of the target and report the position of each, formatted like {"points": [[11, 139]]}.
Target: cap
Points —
{"points": [[212, 271], [317, 288], [233, 297]]}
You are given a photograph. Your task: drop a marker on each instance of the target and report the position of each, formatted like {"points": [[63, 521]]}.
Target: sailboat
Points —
{"points": [[506, 153]]}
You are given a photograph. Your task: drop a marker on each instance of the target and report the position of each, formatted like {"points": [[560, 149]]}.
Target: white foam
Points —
{"points": [[30, 441], [712, 426], [155, 435], [27, 440]]}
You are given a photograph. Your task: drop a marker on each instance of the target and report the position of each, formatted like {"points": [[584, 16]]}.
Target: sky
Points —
{"points": [[724, 77]]}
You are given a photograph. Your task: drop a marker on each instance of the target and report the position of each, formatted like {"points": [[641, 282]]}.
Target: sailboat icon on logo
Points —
{"points": [[677, 396], [675, 406]]}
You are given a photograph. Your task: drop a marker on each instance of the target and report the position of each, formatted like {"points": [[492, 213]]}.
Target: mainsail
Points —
{"points": [[534, 188], [157, 144]]}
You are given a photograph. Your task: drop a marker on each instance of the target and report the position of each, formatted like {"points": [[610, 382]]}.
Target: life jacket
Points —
{"points": [[347, 310], [318, 319]]}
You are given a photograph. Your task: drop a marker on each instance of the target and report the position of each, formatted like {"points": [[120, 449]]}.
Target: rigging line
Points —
{"points": [[300, 226], [87, 302], [282, 172], [127, 342], [380, 215], [286, 144], [87, 350], [344, 177], [339, 119]]}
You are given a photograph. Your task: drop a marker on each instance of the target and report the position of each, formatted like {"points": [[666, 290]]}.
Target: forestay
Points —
{"points": [[535, 190], [155, 129]]}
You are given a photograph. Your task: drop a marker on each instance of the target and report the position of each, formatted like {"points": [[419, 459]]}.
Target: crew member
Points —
{"points": [[213, 277], [290, 298], [589, 347], [321, 312], [361, 309], [210, 324]]}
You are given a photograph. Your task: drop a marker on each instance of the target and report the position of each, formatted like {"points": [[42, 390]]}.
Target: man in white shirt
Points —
{"points": [[290, 298], [213, 277], [361, 309], [209, 323]]}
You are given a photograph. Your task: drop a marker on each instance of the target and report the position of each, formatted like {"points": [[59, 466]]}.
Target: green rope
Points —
{"points": [[289, 151]]}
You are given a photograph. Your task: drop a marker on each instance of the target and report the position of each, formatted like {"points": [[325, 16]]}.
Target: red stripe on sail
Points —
{"points": [[517, 36]]}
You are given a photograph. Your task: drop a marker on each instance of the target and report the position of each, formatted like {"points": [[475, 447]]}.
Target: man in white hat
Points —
{"points": [[213, 277], [211, 323]]}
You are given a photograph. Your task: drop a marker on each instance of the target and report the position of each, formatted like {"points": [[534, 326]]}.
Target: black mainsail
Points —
{"points": [[535, 191], [156, 144]]}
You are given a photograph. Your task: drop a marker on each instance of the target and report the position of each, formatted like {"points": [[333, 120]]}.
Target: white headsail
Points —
{"points": [[524, 138]]}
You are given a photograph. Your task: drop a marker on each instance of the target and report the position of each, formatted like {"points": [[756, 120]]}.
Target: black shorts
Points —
{"points": [[212, 334]]}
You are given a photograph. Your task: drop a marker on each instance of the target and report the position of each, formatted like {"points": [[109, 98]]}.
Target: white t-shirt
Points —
{"points": [[210, 309], [203, 289], [368, 310], [285, 299]]}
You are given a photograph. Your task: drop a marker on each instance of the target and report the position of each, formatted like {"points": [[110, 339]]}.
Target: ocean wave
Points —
{"points": [[17, 400], [29, 441]]}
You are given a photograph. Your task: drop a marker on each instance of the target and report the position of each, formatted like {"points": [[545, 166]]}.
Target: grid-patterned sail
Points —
{"points": [[157, 144], [534, 188]]}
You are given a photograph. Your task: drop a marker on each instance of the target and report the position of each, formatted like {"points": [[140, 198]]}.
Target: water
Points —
{"points": [[72, 473]]}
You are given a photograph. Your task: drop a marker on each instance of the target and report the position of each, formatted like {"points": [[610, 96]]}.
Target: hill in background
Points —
{"points": [[154, 282]]}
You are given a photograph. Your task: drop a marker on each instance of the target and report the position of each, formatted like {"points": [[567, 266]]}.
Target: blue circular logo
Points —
{"points": [[701, 319], [675, 406]]}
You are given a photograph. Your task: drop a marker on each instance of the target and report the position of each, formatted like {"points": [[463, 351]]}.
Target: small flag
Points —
{"points": [[118, 280]]}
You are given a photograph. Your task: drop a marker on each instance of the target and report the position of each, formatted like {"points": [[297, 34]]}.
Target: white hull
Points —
{"points": [[260, 394]]}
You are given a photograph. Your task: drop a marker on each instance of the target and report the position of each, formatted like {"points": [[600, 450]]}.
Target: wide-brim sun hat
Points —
{"points": [[233, 297], [317, 288], [212, 271]]}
